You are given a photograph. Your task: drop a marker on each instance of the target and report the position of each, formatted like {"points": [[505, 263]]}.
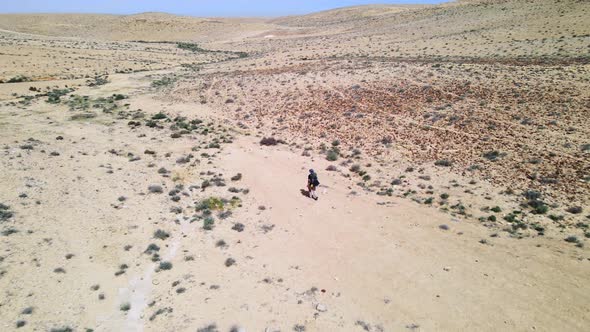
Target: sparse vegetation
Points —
{"points": [[270, 141], [5, 212], [161, 235], [54, 96], [62, 329], [163, 82], [27, 311], [208, 223], [493, 155], [443, 162], [211, 203], [18, 79], [332, 155], [299, 328], [238, 227], [229, 262], [165, 266], [208, 328], [125, 306], [155, 189]]}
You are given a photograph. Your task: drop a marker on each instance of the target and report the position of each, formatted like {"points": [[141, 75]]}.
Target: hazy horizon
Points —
{"points": [[227, 8]]}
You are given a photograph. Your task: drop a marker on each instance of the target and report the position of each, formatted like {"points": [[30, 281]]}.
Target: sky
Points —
{"points": [[204, 8]]}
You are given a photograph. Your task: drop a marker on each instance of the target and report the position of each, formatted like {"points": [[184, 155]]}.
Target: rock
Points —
{"points": [[447, 268], [321, 307]]}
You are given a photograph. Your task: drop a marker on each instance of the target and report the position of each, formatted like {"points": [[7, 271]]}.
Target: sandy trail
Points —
{"points": [[386, 261]]}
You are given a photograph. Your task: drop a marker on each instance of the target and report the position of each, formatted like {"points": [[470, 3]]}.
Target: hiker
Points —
{"points": [[312, 184]]}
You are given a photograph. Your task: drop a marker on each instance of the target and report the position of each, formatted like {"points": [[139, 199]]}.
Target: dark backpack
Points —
{"points": [[314, 180]]}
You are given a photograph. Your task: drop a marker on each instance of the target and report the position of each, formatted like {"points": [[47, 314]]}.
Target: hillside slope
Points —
{"points": [[146, 26]]}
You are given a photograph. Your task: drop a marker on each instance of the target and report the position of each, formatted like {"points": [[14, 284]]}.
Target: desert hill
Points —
{"points": [[145, 26], [490, 29], [347, 15]]}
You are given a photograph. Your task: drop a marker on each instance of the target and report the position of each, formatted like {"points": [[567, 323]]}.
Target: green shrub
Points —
{"points": [[161, 235], [125, 306], [5, 212], [97, 81], [191, 47], [539, 207], [152, 248], [269, 141], [211, 203], [532, 195], [18, 79], [165, 266], [164, 81], [229, 262], [511, 217], [332, 155], [159, 116], [54, 96], [62, 329], [208, 223]]}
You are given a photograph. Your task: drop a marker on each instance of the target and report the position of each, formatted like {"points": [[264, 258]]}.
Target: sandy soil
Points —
{"points": [[137, 196]]}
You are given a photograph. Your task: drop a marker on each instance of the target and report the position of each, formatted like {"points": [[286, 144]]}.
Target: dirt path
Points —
{"points": [[386, 262]]}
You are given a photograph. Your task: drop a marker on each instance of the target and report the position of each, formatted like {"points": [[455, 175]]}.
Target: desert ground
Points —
{"points": [[154, 170]]}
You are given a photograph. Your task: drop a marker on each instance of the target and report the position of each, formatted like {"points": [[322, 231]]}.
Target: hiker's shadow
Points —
{"points": [[304, 192]]}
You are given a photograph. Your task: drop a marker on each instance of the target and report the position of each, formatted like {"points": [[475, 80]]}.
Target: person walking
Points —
{"points": [[312, 184]]}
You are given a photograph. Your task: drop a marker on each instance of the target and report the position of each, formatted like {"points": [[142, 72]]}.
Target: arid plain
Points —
{"points": [[154, 170]]}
